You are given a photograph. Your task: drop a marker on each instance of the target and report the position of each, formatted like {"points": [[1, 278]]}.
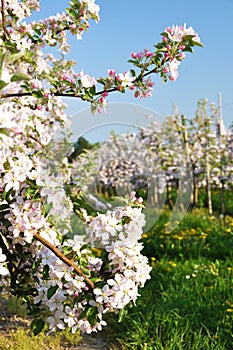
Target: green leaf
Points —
{"points": [[15, 56], [10, 45], [188, 37], [2, 84], [35, 265], [46, 272], [75, 4], [25, 86], [4, 131], [51, 291], [47, 208], [2, 57], [86, 97], [3, 207], [19, 76], [132, 61], [196, 43], [101, 81], [93, 109], [164, 34], [96, 279], [70, 12], [38, 93], [29, 58], [86, 271], [160, 46], [37, 326], [188, 49], [37, 31], [92, 91], [133, 73]]}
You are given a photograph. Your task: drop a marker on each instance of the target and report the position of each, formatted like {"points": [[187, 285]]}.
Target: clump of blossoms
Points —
{"points": [[109, 252], [69, 274]]}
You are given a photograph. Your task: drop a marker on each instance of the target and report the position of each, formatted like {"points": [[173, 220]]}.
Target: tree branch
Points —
{"points": [[74, 94], [24, 94], [62, 257], [5, 31]]}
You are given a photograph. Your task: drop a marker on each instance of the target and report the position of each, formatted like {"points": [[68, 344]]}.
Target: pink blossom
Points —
{"points": [[182, 55], [139, 55], [105, 94], [147, 53], [174, 75], [140, 200], [176, 33], [65, 77], [112, 72]]}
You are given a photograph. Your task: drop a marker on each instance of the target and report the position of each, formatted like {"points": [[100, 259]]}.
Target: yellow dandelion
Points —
{"points": [[178, 237], [229, 310], [172, 263], [153, 258], [145, 235], [229, 268]]}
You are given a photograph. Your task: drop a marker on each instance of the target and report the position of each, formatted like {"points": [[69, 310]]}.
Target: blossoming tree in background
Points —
{"points": [[66, 276]]}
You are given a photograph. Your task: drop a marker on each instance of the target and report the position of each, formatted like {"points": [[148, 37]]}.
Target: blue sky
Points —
{"points": [[132, 25]]}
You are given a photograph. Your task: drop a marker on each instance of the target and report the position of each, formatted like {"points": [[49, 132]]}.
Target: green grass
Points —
{"points": [[17, 336], [188, 303], [20, 339]]}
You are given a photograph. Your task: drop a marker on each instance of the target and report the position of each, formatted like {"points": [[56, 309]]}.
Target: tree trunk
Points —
{"points": [[195, 191], [169, 195], [208, 188]]}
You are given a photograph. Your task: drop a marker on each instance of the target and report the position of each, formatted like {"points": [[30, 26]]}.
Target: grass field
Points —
{"points": [[188, 303]]}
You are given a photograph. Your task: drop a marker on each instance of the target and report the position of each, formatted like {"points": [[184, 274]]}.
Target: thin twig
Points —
{"points": [[62, 257], [74, 94], [30, 94]]}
